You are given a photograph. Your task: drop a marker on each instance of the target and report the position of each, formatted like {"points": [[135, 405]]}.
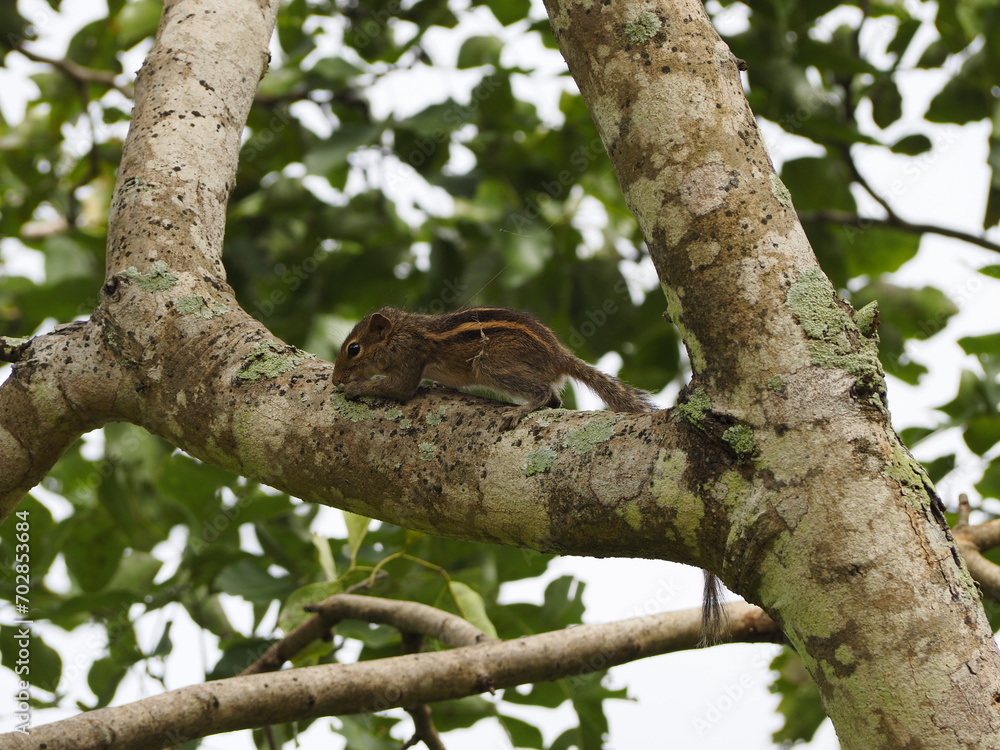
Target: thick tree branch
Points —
{"points": [[338, 689], [45, 406]]}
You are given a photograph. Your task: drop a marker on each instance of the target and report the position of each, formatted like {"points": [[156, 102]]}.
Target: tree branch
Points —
{"points": [[45, 406], [76, 71], [449, 629], [893, 221], [337, 689]]}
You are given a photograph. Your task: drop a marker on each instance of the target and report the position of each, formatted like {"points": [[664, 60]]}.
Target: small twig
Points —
{"points": [[424, 729], [895, 222], [964, 510]]}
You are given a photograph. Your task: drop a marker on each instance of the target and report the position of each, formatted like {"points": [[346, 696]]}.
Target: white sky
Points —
{"points": [[678, 695]]}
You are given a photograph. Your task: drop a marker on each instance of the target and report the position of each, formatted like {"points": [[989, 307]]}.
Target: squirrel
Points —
{"points": [[509, 352]]}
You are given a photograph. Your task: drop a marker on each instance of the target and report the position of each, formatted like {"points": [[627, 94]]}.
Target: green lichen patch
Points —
{"points": [[593, 434], [776, 383], [159, 279], [813, 301], [545, 417], [435, 417], [427, 451], [696, 407], [405, 423], [268, 360], [539, 461], [193, 304], [394, 413], [905, 469], [675, 311], [866, 319], [740, 438], [219, 309], [780, 191], [355, 411], [643, 28]]}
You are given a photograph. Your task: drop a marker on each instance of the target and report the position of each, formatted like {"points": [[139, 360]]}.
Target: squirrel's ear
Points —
{"points": [[379, 325]]}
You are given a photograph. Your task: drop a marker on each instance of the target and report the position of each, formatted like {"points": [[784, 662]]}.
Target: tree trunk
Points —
{"points": [[778, 470], [826, 521]]}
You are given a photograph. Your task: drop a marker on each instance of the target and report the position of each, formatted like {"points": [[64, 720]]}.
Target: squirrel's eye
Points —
{"points": [[353, 349]]}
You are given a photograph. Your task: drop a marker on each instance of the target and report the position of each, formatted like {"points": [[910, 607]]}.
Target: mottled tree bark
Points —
{"points": [[779, 469]]}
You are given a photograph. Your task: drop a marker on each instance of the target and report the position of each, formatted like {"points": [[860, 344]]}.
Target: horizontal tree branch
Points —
{"points": [[336, 689], [895, 222], [76, 71]]}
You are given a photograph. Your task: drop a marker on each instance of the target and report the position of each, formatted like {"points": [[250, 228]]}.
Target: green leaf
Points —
{"points": [[800, 704], [988, 344], [335, 71], [982, 432], [137, 21], [989, 485], [472, 608], [479, 50], [26, 654], [993, 271], [521, 733], [357, 529], [905, 32], [103, 679], [238, 656], [94, 549], [912, 145], [819, 184], [293, 613], [247, 578], [965, 97]]}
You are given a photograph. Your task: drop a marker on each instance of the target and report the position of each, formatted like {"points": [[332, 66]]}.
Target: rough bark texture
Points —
{"points": [[779, 470], [830, 525]]}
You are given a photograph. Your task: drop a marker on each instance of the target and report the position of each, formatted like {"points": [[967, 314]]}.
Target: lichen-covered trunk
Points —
{"points": [[822, 517]]}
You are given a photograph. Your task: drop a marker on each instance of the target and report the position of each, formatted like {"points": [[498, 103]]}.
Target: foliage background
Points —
{"points": [[434, 154]]}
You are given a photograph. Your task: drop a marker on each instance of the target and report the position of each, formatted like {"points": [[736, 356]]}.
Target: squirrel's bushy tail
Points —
{"points": [[617, 395]]}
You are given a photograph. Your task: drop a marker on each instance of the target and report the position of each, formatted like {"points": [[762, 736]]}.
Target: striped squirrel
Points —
{"points": [[508, 352]]}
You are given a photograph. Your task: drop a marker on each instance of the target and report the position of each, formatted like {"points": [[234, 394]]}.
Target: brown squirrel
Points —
{"points": [[508, 352]]}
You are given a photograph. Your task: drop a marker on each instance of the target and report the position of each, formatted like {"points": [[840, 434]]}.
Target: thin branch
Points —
{"points": [[338, 689], [407, 617], [314, 629], [895, 222], [77, 71]]}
